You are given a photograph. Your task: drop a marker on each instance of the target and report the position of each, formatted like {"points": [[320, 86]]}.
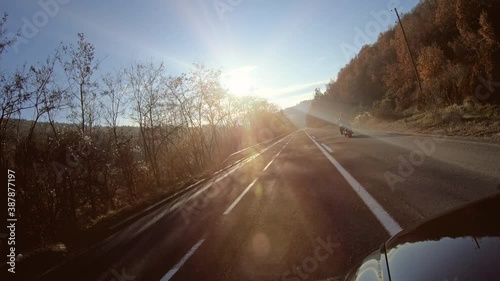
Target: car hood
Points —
{"points": [[463, 244]]}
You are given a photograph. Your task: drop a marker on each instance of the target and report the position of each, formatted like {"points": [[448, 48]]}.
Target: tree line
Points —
{"points": [[127, 134], [456, 50]]}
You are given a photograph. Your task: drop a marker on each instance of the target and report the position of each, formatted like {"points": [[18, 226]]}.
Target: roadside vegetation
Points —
{"points": [[86, 147], [457, 54]]}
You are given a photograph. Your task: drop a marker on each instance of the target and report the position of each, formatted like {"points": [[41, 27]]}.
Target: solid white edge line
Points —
{"points": [[239, 197], [327, 147], [382, 216], [172, 271]]}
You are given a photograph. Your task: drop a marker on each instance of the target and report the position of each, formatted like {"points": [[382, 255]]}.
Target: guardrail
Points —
{"points": [[241, 154]]}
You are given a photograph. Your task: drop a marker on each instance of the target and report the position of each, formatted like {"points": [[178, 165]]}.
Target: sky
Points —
{"points": [[280, 50]]}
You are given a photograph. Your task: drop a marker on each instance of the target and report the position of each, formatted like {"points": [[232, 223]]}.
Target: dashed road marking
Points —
{"points": [[174, 270], [239, 197]]}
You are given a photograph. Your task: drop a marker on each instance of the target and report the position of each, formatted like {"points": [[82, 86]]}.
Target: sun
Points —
{"points": [[239, 81]]}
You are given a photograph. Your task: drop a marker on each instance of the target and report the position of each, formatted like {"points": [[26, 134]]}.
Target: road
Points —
{"points": [[308, 207]]}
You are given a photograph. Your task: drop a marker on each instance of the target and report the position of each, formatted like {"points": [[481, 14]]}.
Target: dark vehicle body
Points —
{"points": [[344, 127], [346, 131], [463, 244]]}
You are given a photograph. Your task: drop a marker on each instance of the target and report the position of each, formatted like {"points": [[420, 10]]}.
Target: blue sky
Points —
{"points": [[280, 49]]}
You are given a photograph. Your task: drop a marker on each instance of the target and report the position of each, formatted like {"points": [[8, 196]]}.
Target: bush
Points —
{"points": [[452, 114], [384, 109], [363, 118]]}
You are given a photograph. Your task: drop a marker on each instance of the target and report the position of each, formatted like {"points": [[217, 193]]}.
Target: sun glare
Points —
{"points": [[239, 81]]}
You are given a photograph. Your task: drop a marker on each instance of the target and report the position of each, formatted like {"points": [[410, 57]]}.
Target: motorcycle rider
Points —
{"points": [[343, 124]]}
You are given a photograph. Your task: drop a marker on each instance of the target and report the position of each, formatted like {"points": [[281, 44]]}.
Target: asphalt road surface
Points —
{"points": [[308, 207]]}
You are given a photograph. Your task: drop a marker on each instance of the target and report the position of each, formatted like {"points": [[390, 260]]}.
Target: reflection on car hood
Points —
{"points": [[464, 258], [463, 244]]}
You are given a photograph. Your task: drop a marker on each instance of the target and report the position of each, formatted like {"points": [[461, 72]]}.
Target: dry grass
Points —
{"points": [[468, 120]]}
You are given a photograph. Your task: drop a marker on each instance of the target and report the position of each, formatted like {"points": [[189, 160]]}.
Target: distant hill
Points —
{"points": [[297, 114]]}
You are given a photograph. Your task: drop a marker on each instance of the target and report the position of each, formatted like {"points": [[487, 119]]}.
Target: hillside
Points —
{"points": [[455, 45]]}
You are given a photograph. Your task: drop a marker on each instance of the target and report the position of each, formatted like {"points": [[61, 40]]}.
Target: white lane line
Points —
{"points": [[269, 164], [172, 271], [382, 216], [327, 148], [239, 197], [236, 167], [275, 156]]}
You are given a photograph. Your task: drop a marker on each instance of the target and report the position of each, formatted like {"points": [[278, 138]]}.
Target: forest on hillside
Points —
{"points": [[456, 49], [73, 159]]}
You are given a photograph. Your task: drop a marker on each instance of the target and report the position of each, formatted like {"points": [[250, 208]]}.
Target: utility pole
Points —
{"points": [[411, 54]]}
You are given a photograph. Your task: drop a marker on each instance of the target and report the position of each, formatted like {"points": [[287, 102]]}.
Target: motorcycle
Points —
{"points": [[346, 131], [345, 127]]}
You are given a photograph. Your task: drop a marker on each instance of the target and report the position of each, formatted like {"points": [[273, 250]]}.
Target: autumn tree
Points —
{"points": [[455, 45]]}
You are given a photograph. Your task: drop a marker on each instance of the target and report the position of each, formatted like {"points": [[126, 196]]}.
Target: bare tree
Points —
{"points": [[12, 101], [4, 40], [79, 67], [46, 96], [145, 82], [114, 100]]}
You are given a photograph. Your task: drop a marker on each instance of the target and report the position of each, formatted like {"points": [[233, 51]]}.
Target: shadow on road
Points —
{"points": [[361, 136], [379, 135]]}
